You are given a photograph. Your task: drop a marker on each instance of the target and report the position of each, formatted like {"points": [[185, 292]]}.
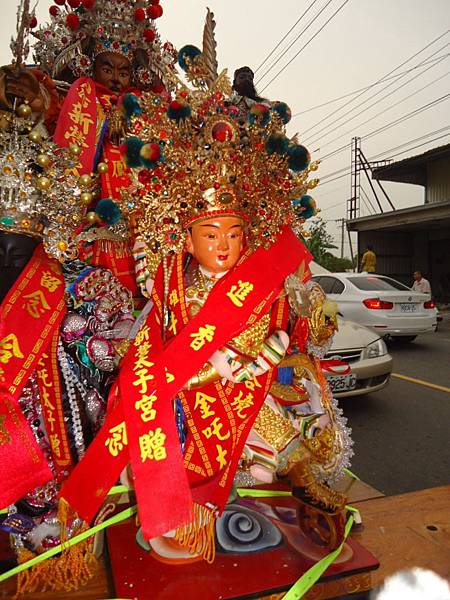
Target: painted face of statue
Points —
{"points": [[217, 242], [113, 71]]}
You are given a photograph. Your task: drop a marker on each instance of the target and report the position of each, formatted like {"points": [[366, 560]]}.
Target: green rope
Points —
{"points": [[312, 575], [125, 514], [254, 493]]}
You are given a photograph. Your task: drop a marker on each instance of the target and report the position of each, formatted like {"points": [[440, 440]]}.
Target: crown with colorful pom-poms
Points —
{"points": [[191, 159], [80, 30]]}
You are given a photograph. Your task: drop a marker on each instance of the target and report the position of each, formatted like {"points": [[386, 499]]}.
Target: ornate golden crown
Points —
{"points": [[191, 158], [40, 194]]}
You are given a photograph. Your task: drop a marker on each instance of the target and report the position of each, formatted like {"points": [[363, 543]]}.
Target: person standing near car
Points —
{"points": [[369, 261], [421, 284]]}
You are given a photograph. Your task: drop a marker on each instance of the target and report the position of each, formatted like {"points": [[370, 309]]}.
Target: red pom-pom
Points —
{"points": [[33, 22], [60, 2], [139, 15], [73, 3], [149, 35], [53, 10], [154, 1], [155, 11], [72, 21], [88, 4]]}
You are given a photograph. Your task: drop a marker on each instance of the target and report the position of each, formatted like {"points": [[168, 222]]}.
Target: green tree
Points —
{"points": [[320, 242]]}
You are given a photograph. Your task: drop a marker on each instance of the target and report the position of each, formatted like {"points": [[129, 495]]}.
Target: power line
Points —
{"points": [[382, 79], [367, 87], [345, 171], [328, 131], [307, 43], [391, 124], [410, 142], [282, 40], [280, 56], [391, 106]]}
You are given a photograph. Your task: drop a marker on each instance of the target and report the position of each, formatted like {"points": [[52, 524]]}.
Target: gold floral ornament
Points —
{"points": [[41, 194], [191, 159]]}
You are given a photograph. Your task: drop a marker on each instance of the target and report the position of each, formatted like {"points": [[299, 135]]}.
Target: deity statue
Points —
{"points": [[99, 50], [222, 384], [63, 325]]}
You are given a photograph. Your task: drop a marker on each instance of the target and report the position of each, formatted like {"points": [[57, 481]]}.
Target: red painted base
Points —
{"points": [[143, 575]]}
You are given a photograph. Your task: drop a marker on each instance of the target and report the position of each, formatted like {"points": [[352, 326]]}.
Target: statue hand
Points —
{"points": [[22, 83]]}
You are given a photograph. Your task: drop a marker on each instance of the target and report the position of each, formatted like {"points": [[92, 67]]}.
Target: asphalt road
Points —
{"points": [[402, 433]]}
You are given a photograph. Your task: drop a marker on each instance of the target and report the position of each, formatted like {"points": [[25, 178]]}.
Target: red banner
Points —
{"points": [[144, 423], [30, 314]]}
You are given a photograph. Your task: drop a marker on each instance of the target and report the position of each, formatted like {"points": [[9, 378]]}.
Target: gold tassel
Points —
{"points": [[70, 570], [198, 535]]}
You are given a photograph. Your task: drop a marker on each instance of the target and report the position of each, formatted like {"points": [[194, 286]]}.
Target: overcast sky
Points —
{"points": [[361, 44]]}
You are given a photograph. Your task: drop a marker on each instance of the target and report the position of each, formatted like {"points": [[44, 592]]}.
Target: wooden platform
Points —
{"points": [[401, 531]]}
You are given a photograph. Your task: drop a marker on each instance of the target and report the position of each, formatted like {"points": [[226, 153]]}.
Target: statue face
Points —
{"points": [[15, 252], [113, 71], [217, 242], [243, 83]]}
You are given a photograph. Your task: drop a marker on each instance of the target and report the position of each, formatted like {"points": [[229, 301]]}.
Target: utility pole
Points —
{"points": [[342, 222]]}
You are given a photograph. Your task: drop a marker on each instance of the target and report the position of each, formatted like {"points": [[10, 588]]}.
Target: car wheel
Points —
{"points": [[404, 338]]}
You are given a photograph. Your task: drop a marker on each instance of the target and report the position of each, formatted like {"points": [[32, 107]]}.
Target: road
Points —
{"points": [[402, 433]]}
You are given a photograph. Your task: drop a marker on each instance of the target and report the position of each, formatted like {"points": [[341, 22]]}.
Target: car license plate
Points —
{"points": [[406, 308], [342, 383]]}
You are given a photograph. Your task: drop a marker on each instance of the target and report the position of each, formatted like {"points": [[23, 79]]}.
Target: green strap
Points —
{"points": [[125, 514], [351, 474], [254, 493], [308, 579]]}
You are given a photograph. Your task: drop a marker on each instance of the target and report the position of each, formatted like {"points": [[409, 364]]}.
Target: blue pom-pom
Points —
{"points": [[131, 106], [298, 158], [283, 111], [108, 211], [305, 206], [277, 143], [187, 52], [131, 149], [258, 113]]}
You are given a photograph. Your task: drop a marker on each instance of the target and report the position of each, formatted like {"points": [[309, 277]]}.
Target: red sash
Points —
{"points": [[30, 316], [142, 425]]}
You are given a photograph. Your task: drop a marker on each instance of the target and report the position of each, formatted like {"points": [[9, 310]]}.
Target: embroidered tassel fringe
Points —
{"points": [[198, 535], [69, 571]]}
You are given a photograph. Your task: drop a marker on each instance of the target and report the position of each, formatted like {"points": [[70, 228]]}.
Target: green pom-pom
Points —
{"points": [[186, 54], [108, 211], [130, 106], [131, 149], [305, 207], [178, 110], [283, 111], [277, 143], [298, 158]]}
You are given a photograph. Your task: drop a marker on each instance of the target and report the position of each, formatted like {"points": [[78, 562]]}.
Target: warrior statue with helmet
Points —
{"points": [[88, 56], [63, 325]]}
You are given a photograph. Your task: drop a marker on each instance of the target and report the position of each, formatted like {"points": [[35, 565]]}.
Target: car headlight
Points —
{"points": [[375, 349]]}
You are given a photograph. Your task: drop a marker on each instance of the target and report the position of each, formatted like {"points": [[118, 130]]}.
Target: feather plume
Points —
{"points": [[64, 58], [19, 45], [209, 49]]}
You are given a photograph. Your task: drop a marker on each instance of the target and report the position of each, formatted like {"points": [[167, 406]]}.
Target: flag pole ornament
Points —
{"points": [[80, 30], [41, 194]]}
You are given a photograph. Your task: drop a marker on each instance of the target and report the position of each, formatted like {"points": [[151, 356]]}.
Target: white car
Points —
{"points": [[366, 364], [381, 303]]}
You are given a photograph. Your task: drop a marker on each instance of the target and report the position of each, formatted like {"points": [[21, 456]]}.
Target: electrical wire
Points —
{"points": [[328, 131], [280, 56], [410, 142], [367, 87], [391, 124], [286, 35], [305, 45], [382, 79], [390, 107]]}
